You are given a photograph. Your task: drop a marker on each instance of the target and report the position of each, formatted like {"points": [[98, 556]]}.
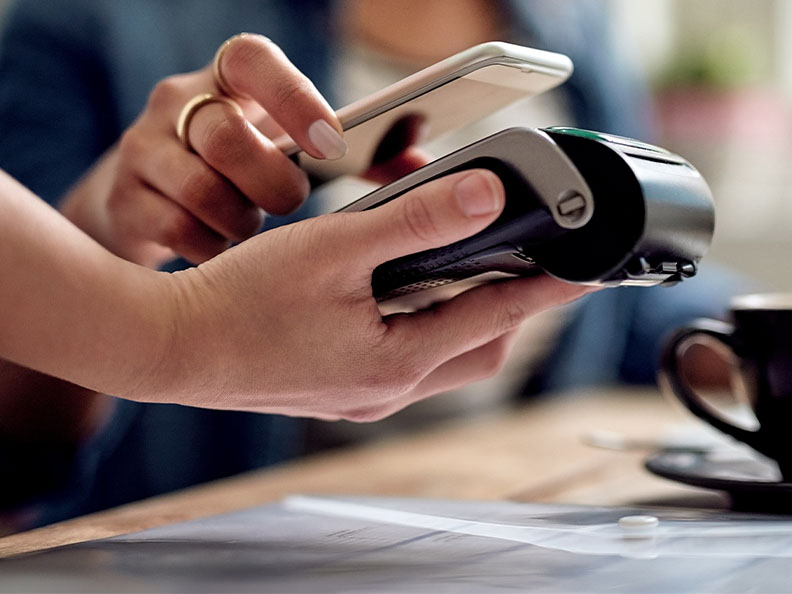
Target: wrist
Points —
{"points": [[218, 349], [155, 309]]}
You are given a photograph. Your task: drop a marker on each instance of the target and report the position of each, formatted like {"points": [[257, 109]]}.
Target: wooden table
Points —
{"points": [[535, 453]]}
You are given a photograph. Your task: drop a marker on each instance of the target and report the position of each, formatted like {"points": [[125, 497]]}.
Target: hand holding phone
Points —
{"points": [[441, 98]]}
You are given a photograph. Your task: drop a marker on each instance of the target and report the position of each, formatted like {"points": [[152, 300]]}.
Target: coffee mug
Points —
{"points": [[759, 337]]}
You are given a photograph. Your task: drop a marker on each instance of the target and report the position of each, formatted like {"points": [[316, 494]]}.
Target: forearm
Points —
{"points": [[72, 309], [36, 408]]}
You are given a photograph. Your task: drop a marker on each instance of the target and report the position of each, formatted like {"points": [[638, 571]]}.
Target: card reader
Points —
{"points": [[582, 206]]}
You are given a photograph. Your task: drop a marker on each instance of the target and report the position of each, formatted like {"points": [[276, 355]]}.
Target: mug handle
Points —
{"points": [[722, 332]]}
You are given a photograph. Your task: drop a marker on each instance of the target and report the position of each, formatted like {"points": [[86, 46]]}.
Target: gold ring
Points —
{"points": [[219, 79], [191, 108]]}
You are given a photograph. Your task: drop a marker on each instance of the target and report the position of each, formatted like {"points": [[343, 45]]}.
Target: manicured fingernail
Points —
{"points": [[477, 195], [327, 140]]}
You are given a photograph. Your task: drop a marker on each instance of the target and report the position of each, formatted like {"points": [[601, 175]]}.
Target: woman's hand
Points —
{"points": [[286, 321], [151, 198]]}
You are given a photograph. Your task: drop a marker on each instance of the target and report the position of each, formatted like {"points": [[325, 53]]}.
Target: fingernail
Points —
{"points": [[477, 195], [327, 140]]}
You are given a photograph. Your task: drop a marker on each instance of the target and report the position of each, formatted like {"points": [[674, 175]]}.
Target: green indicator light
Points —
{"points": [[611, 138]]}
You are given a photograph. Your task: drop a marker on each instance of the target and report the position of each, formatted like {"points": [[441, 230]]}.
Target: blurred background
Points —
{"points": [[721, 77], [720, 72]]}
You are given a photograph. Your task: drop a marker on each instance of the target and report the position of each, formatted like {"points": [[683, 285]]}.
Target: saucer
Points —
{"points": [[752, 481]]}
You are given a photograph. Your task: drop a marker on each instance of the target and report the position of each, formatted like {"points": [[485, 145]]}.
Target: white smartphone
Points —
{"points": [[440, 98]]}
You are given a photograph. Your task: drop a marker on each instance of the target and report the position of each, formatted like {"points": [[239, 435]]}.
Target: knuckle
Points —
{"points": [[494, 359], [248, 224], [132, 145], [418, 219], [285, 193], [241, 225], [246, 50], [394, 376], [408, 370], [118, 202], [369, 415], [291, 92], [511, 315], [246, 53], [165, 93], [175, 228], [199, 189], [377, 381], [221, 139]]}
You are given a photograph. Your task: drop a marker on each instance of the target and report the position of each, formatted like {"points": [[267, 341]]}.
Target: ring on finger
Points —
{"points": [[191, 108], [217, 72]]}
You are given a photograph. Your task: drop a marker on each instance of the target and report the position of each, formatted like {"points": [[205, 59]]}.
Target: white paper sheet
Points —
{"points": [[363, 544]]}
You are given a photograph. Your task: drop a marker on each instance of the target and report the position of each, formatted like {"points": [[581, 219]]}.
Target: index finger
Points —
{"points": [[252, 65]]}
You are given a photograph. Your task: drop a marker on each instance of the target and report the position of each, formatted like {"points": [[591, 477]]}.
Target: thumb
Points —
{"points": [[434, 214]]}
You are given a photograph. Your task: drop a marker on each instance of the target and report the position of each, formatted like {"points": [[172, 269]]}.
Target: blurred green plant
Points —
{"points": [[728, 57]]}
